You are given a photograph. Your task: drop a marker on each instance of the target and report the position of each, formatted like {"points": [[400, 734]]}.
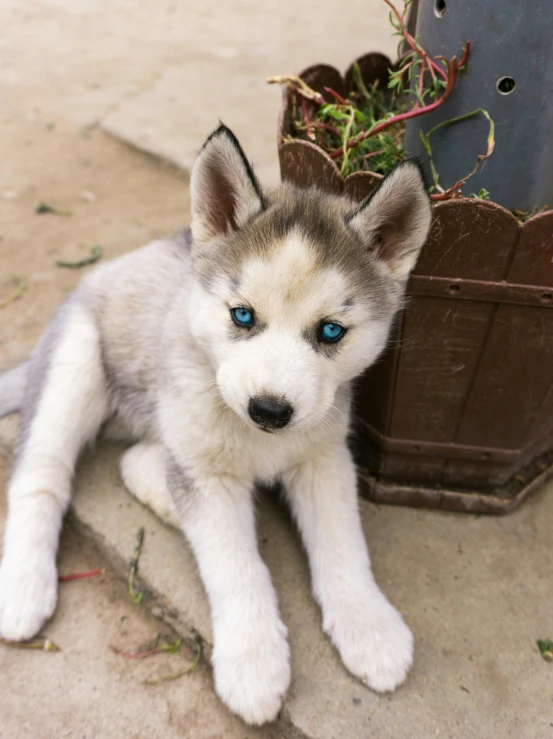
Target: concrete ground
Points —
{"points": [[160, 73], [88, 691], [476, 591]]}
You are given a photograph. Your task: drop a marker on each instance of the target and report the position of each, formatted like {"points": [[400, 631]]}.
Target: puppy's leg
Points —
{"points": [[143, 471], [371, 636], [250, 653], [64, 405]]}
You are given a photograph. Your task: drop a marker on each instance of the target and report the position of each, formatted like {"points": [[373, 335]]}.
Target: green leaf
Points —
{"points": [[482, 194], [95, 255], [546, 649], [173, 647], [43, 208]]}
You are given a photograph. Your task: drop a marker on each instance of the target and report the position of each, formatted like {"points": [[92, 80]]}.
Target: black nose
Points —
{"points": [[270, 412]]}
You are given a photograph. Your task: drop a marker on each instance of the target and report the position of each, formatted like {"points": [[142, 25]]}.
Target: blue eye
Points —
{"points": [[330, 333], [242, 317]]}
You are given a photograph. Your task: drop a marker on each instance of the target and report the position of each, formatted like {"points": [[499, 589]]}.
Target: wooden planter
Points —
{"points": [[458, 412]]}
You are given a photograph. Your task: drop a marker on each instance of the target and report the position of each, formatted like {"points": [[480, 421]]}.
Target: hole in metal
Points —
{"points": [[505, 85], [439, 8], [454, 288], [485, 455], [416, 448], [546, 298]]}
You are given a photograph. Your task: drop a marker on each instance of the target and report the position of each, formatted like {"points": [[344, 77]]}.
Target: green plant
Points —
{"points": [[482, 194], [546, 649], [524, 215], [365, 131]]}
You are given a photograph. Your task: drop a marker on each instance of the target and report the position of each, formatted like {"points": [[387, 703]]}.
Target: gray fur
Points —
{"points": [[240, 333], [129, 299], [37, 372], [12, 389], [21, 388], [321, 219], [329, 350], [180, 485]]}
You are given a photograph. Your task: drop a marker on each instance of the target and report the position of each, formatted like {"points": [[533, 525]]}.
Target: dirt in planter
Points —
{"points": [[524, 215]]}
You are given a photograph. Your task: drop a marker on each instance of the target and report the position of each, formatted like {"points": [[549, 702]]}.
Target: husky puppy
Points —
{"points": [[227, 353]]}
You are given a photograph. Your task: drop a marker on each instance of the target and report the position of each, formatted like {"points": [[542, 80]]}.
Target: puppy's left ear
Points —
{"points": [[395, 219], [224, 191]]}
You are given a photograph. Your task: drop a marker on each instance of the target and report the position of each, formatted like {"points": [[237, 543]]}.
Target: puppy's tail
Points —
{"points": [[12, 389]]}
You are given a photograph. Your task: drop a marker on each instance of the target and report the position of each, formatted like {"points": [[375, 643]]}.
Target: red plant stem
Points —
{"points": [[412, 43], [437, 68], [406, 67], [326, 127], [404, 12], [421, 77], [432, 73], [80, 575], [136, 655], [339, 99], [448, 194], [451, 78], [465, 55], [319, 125], [372, 154], [445, 195], [306, 120]]}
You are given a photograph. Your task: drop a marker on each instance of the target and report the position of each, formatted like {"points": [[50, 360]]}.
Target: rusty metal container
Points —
{"points": [[458, 412]]}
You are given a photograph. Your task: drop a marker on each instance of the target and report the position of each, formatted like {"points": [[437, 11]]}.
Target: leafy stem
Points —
{"points": [[442, 194], [365, 129]]}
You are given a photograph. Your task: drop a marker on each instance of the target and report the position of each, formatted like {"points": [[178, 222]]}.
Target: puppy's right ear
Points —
{"points": [[224, 191]]}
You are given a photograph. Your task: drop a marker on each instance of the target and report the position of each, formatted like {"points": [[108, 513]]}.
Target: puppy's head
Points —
{"points": [[296, 290]]}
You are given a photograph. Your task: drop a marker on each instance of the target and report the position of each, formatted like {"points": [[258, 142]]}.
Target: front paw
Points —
{"points": [[27, 597], [252, 669], [374, 642]]}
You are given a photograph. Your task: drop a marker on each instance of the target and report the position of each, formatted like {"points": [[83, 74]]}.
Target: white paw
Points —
{"points": [[374, 642], [252, 671], [27, 597]]}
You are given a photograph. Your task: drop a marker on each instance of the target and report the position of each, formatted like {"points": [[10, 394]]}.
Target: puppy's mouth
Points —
{"points": [[265, 428]]}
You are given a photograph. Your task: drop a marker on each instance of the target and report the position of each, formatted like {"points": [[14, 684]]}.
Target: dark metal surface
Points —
{"points": [[508, 39]]}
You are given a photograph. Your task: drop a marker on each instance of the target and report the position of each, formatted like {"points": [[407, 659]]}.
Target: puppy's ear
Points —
{"points": [[395, 219], [224, 191]]}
